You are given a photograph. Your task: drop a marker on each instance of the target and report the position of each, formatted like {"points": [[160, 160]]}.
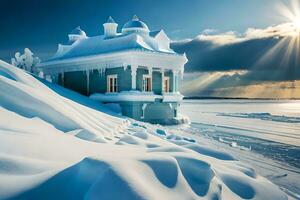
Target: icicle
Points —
{"points": [[87, 81], [99, 71]]}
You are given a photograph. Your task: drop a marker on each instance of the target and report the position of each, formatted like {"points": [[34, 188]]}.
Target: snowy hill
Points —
{"points": [[55, 145]]}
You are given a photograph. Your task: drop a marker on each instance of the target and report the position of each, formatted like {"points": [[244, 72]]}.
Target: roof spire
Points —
{"points": [[110, 20], [135, 18], [78, 31]]}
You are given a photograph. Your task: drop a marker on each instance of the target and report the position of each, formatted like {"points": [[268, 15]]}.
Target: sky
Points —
{"points": [[233, 44]]}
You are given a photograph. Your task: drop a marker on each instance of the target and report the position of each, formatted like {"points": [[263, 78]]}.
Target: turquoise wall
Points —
{"points": [[97, 82], [156, 82], [124, 77], [170, 75], [156, 112], [139, 78], [77, 80], [132, 109]]}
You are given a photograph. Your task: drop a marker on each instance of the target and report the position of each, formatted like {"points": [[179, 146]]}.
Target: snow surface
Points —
{"points": [[264, 116], [101, 45], [270, 120], [264, 134], [52, 147], [135, 95]]}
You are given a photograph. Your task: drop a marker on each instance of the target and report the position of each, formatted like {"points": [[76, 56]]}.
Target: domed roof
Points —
{"points": [[135, 23], [78, 31]]}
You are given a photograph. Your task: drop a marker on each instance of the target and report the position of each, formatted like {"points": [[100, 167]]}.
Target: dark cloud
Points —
{"points": [[268, 54]]}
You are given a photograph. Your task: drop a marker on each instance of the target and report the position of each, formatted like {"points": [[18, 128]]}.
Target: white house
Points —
{"points": [[135, 68]]}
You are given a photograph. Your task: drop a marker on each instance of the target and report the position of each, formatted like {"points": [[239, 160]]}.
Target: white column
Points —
{"points": [[150, 71], [174, 74], [87, 82], [133, 76], [162, 71]]}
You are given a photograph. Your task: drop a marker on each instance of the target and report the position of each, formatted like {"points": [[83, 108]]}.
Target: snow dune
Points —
{"points": [[27, 96], [52, 147]]}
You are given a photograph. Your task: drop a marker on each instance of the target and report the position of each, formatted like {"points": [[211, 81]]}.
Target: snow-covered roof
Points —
{"points": [[135, 36], [154, 33], [101, 45]]}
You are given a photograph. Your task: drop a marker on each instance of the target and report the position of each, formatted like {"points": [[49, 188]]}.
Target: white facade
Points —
{"points": [[135, 68], [135, 46]]}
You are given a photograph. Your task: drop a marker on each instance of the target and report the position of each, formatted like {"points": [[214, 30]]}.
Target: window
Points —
{"points": [[112, 83], [166, 84], [147, 83]]}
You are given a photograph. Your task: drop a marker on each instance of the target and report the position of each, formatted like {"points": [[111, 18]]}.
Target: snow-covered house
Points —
{"points": [[135, 68]]}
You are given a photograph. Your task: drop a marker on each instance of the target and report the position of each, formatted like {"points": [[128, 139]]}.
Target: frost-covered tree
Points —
{"points": [[26, 61]]}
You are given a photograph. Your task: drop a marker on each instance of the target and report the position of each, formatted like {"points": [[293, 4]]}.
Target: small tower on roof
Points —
{"points": [[76, 34], [135, 18], [110, 28], [135, 25]]}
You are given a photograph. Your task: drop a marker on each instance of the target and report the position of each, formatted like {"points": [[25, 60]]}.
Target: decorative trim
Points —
{"points": [[113, 60]]}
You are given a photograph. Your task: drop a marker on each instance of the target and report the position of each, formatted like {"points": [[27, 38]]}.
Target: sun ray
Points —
{"points": [[295, 7], [289, 12], [298, 50], [284, 11], [286, 49], [271, 52], [289, 50]]}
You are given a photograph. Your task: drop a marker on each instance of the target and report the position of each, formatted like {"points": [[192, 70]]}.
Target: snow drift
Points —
{"points": [[52, 147], [25, 95]]}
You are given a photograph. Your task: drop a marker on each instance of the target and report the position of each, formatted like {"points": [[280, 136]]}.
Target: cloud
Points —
{"points": [[220, 39], [209, 31], [262, 63], [277, 31], [237, 84], [269, 54]]}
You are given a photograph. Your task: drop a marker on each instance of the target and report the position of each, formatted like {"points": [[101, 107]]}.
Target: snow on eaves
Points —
{"points": [[101, 45]]}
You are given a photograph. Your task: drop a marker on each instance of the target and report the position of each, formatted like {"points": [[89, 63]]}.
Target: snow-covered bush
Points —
{"points": [[26, 61]]}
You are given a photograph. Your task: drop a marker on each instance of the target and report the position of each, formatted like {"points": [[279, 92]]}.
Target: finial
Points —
{"points": [[135, 18], [110, 20]]}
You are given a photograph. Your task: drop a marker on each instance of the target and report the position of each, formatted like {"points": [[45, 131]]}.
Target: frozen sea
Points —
{"points": [[262, 133]]}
